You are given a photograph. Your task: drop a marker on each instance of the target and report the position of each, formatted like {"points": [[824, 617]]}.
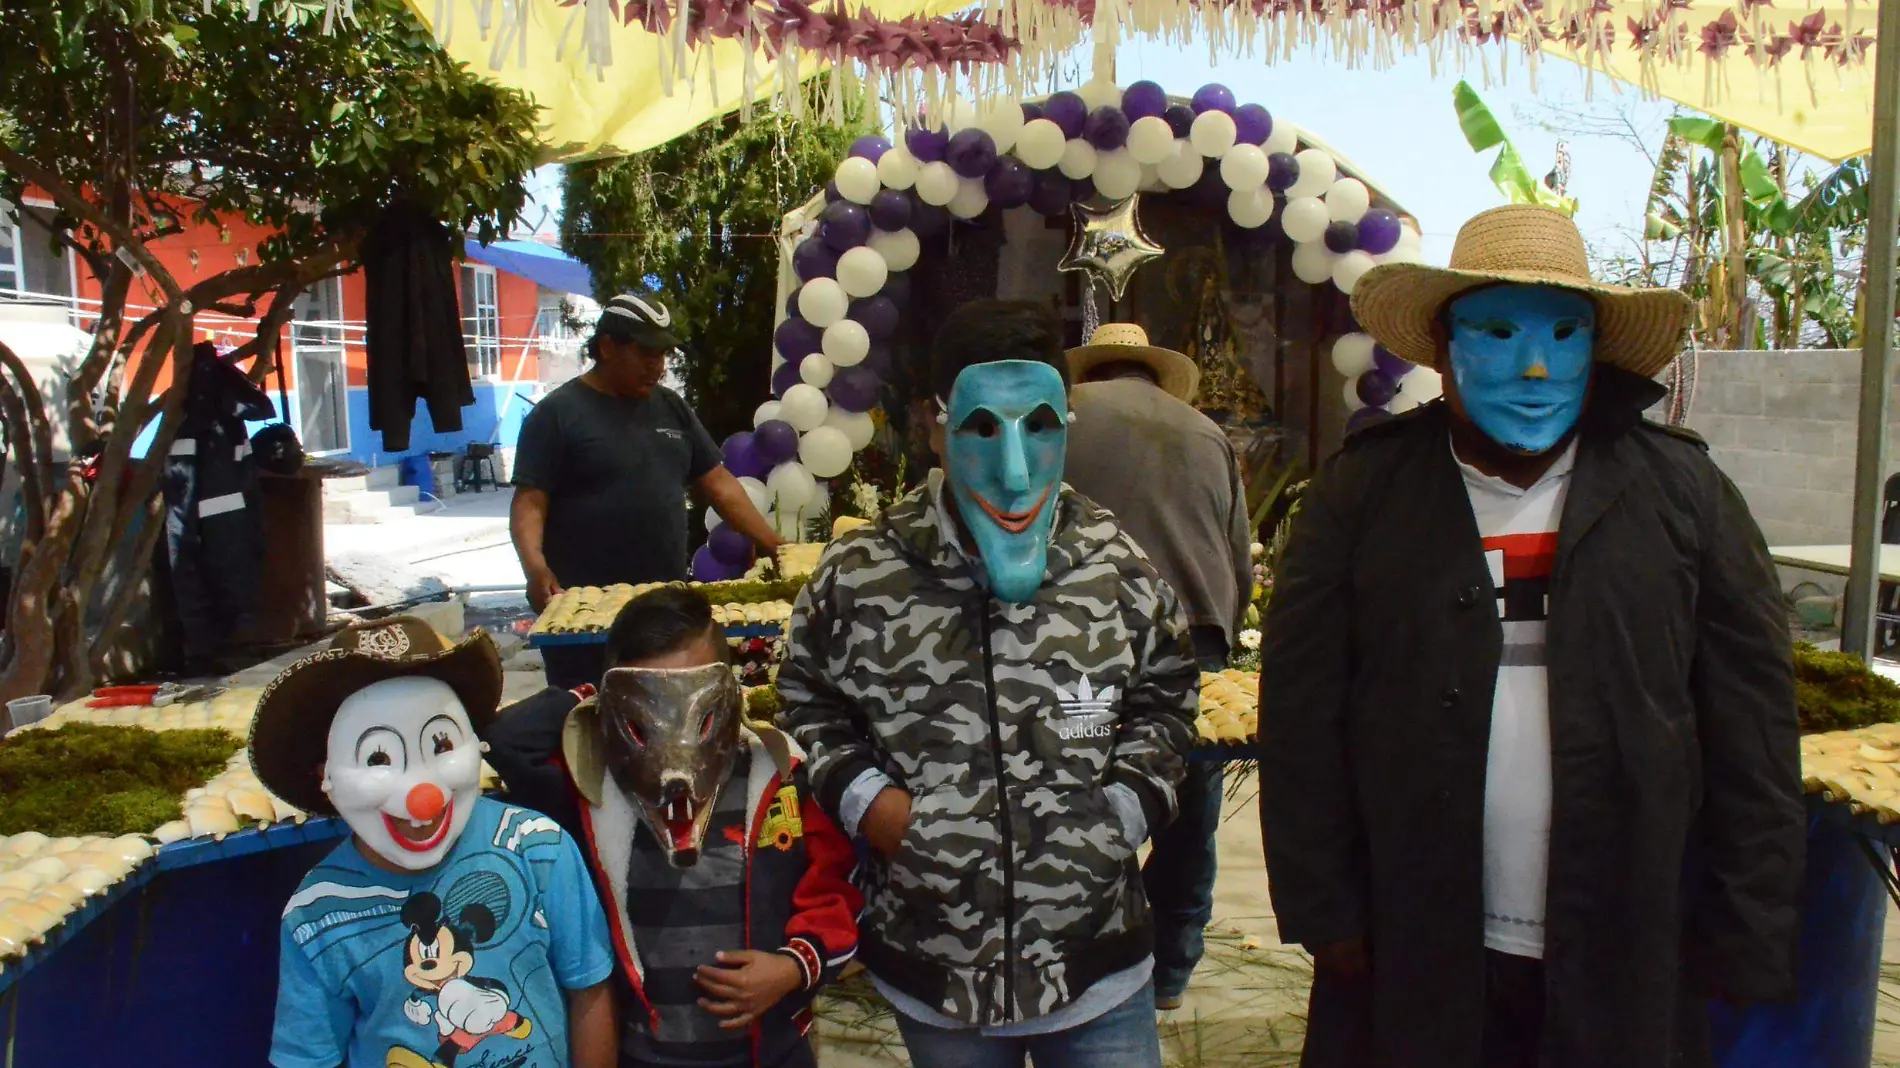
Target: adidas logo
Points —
{"points": [[1086, 704]]}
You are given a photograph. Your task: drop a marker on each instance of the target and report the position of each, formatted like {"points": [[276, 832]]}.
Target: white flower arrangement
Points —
{"points": [[1250, 640], [1256, 550]]}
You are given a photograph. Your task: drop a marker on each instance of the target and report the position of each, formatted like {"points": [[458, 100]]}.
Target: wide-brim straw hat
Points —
{"points": [[290, 737], [1638, 330], [1128, 343]]}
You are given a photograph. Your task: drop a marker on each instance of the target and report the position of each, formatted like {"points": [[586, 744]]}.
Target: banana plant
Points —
{"points": [[1508, 171]]}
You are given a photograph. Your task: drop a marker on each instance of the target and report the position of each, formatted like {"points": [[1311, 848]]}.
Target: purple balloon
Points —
{"points": [[1010, 184], [1050, 194], [1144, 100], [878, 316], [1282, 171], [1066, 110], [709, 568], [1342, 237], [740, 459], [845, 226], [1376, 388], [729, 547], [1364, 418], [774, 442], [1389, 363], [832, 196], [797, 339], [1082, 190], [890, 210], [897, 290], [1213, 97], [1031, 112], [928, 220], [926, 144], [1378, 231], [870, 146], [854, 389], [971, 153], [1180, 119], [1106, 129], [1252, 124], [878, 360], [783, 379], [814, 259], [791, 304]]}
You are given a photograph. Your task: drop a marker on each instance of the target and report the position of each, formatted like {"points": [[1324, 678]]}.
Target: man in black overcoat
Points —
{"points": [[1530, 775]]}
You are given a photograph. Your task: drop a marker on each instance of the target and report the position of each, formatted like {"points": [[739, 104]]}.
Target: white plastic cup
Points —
{"points": [[25, 710]]}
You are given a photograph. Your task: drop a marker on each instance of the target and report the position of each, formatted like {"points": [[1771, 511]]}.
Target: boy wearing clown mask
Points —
{"points": [[448, 928], [997, 690]]}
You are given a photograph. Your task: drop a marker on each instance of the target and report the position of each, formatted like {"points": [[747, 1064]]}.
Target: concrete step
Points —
{"points": [[374, 506], [379, 478]]}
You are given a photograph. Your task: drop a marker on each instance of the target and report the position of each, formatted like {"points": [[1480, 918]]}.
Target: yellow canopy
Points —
{"points": [[609, 88]]}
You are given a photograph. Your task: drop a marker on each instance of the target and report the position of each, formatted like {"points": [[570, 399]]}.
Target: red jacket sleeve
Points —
{"points": [[825, 903]]}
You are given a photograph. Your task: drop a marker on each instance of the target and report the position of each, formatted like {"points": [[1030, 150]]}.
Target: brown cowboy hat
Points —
{"points": [[1128, 343], [290, 736], [1639, 330]]}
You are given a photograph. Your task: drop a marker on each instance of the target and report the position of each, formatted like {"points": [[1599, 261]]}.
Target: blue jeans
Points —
{"points": [[1179, 875], [1123, 1037]]}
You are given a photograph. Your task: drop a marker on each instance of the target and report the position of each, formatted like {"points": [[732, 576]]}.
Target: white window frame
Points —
{"points": [[324, 343], [13, 265], [481, 324]]}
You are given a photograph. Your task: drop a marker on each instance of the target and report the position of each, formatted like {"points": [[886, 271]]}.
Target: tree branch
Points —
{"points": [[69, 198], [20, 436], [36, 420]]}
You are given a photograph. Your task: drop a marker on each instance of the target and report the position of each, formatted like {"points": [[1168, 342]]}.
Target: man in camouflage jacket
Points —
{"points": [[1005, 758]]}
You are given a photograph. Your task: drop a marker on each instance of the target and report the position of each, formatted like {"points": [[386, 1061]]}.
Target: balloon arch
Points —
{"points": [[1052, 156]]}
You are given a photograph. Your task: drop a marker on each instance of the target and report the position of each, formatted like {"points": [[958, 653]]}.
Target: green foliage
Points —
{"points": [[762, 704], [272, 120], [1508, 173], [699, 218], [1837, 692], [89, 779], [747, 591]]}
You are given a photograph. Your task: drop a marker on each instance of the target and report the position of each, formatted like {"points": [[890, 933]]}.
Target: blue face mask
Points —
{"points": [[1521, 357], [1006, 435]]}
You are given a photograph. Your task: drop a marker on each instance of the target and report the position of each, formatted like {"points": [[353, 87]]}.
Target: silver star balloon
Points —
{"points": [[1109, 244]]}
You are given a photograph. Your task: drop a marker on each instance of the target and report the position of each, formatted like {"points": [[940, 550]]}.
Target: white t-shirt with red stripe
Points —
{"points": [[1519, 528]]}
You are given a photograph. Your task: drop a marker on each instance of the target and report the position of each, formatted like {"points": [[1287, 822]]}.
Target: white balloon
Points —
{"points": [[1402, 254], [970, 200], [816, 369], [756, 490], [959, 114], [791, 485], [1317, 172], [897, 168], [1100, 93], [804, 407], [1213, 133], [1422, 384], [1078, 159], [1304, 219], [1040, 144], [861, 272], [1348, 393], [1400, 404], [1150, 139], [1151, 179], [1347, 200], [1243, 167], [766, 412], [1003, 121], [899, 248], [1349, 268], [712, 519], [1312, 264], [825, 452], [1352, 354], [787, 525], [822, 301], [1183, 166], [857, 179], [846, 344], [936, 183], [858, 427], [1250, 208], [1116, 174], [1284, 138]]}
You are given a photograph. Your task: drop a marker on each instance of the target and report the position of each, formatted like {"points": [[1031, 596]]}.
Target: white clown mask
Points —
{"points": [[404, 769]]}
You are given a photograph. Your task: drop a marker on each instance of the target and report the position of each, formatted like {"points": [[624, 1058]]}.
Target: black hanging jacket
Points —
{"points": [[414, 325]]}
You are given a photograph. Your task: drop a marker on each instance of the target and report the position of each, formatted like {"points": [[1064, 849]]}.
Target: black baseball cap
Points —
{"points": [[638, 318]]}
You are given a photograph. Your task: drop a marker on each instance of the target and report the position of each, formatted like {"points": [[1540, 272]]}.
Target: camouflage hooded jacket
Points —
{"points": [[1014, 888]]}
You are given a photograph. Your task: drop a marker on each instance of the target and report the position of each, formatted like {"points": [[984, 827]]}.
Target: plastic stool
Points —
{"points": [[469, 468]]}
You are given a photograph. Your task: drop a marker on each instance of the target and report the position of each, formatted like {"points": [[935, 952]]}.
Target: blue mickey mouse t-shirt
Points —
{"points": [[460, 966]]}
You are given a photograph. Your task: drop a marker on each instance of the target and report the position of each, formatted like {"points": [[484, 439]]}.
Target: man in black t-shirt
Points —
{"points": [[601, 473]]}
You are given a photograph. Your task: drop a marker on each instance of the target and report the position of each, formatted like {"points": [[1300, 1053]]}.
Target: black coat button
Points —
{"points": [[1468, 597], [1450, 698]]}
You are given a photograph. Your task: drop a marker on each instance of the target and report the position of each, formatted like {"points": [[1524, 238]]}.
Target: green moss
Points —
{"points": [[88, 779], [1837, 692], [750, 592], [762, 703]]}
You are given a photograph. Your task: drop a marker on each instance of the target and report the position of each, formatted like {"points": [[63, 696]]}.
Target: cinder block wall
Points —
{"points": [[1781, 425]]}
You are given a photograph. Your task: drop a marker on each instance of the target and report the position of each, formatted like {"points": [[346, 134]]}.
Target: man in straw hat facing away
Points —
{"points": [[1139, 449], [1530, 780]]}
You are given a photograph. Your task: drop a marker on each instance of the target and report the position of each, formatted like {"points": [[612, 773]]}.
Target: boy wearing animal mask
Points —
{"points": [[728, 892], [449, 928]]}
